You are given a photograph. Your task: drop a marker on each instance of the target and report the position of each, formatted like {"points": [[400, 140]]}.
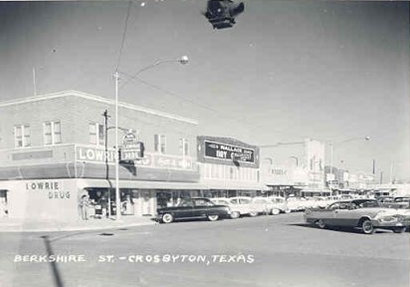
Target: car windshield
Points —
{"points": [[223, 202], [203, 202], [402, 199], [185, 202], [368, 203], [245, 201]]}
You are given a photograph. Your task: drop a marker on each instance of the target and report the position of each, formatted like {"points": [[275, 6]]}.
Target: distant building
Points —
{"points": [[315, 166], [295, 168]]}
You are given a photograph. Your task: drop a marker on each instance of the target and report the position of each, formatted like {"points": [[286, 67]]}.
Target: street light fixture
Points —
{"points": [[183, 60], [331, 144]]}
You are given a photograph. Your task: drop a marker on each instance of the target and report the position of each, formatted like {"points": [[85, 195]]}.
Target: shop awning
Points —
{"points": [[140, 184], [227, 185], [315, 190]]}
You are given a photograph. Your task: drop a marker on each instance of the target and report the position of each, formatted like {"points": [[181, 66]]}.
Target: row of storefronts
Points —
{"points": [[58, 162]]}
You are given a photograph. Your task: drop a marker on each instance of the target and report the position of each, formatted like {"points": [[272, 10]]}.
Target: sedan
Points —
{"points": [[397, 202], [197, 207], [240, 205], [365, 214]]}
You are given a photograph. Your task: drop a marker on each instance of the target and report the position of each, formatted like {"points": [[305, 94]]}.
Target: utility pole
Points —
{"points": [[391, 171], [117, 153], [107, 175], [381, 177], [34, 82]]}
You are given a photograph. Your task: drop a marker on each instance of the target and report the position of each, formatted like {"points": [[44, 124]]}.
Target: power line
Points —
{"points": [[123, 35], [170, 93]]}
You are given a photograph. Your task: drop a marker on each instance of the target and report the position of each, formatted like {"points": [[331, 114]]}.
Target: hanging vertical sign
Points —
{"points": [[132, 148]]}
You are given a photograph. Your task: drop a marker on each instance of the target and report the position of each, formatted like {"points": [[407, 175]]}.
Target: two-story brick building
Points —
{"points": [[55, 148]]}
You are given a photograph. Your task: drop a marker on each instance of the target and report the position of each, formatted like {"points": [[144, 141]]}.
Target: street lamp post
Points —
{"points": [[183, 60], [331, 144]]}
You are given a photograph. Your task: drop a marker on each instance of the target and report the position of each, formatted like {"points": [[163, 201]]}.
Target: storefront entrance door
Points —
{"points": [[146, 203], [3, 203]]}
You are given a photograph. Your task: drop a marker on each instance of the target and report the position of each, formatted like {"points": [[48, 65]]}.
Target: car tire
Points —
{"points": [[275, 211], [399, 230], [167, 218], [287, 210], [253, 213], [367, 226], [320, 224], [213, 217], [235, 214]]}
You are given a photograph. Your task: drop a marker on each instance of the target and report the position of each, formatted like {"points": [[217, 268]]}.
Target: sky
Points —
{"points": [[288, 70]]}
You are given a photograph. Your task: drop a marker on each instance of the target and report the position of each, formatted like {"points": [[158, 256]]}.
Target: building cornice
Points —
{"points": [[83, 95]]}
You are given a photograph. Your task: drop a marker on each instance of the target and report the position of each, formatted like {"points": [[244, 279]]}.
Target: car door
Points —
{"points": [[185, 209], [235, 206], [345, 215], [201, 207], [328, 215]]}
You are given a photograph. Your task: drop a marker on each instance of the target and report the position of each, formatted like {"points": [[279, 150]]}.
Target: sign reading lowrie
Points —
{"points": [[229, 152], [53, 189], [97, 155]]}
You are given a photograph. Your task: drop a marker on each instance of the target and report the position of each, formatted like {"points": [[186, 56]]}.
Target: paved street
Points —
{"points": [[278, 251]]}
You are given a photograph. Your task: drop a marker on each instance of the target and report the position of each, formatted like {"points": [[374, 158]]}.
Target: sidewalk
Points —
{"points": [[24, 225]]}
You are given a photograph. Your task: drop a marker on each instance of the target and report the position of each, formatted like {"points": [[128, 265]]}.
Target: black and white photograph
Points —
{"points": [[205, 143]]}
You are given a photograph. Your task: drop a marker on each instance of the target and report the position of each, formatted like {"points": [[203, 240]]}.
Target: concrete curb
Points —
{"points": [[19, 228]]}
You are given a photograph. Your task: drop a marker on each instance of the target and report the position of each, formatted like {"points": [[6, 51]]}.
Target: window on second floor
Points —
{"points": [[52, 133], [184, 146], [96, 134], [22, 136], [160, 143]]}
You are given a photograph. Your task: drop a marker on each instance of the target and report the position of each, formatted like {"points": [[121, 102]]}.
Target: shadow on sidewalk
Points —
{"points": [[339, 228], [54, 268]]}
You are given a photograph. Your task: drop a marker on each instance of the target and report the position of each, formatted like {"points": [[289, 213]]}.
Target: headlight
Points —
{"points": [[393, 218], [399, 217]]}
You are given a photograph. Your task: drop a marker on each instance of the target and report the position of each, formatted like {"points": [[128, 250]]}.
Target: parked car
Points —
{"points": [[396, 202], [240, 205], [385, 199], [366, 214], [319, 202], [265, 205], [196, 207], [279, 203], [295, 204]]}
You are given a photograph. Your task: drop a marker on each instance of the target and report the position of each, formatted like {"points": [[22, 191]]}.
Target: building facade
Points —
{"points": [[315, 166], [228, 167], [56, 148], [295, 168]]}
